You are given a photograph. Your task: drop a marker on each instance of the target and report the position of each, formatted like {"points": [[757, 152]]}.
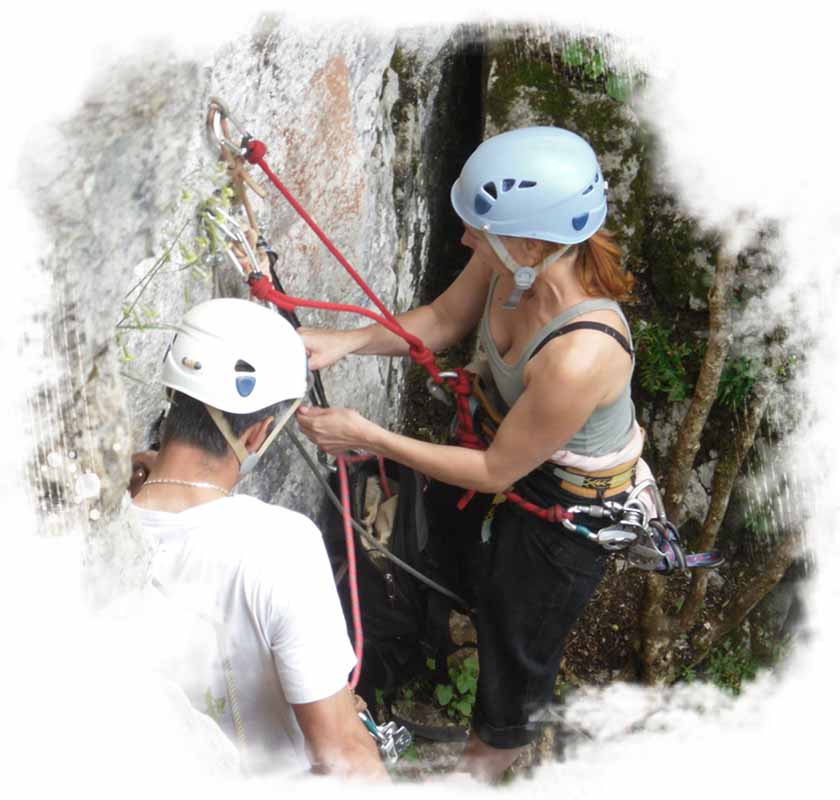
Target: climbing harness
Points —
{"points": [[648, 542]]}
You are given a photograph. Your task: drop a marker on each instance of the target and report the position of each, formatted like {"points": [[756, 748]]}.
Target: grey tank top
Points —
{"points": [[609, 428]]}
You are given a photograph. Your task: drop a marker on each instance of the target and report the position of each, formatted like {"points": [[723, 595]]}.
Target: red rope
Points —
{"points": [[255, 152], [358, 635], [262, 289]]}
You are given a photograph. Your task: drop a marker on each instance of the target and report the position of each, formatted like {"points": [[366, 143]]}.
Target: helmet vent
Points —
{"points": [[482, 204], [508, 184], [527, 184], [578, 223], [245, 385], [243, 366], [597, 178], [490, 188], [588, 189]]}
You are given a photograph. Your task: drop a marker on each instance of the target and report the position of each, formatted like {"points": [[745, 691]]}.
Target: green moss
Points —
{"points": [[570, 84], [669, 248]]}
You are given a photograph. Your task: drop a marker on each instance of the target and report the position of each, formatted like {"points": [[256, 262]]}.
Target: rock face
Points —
{"points": [[353, 124]]}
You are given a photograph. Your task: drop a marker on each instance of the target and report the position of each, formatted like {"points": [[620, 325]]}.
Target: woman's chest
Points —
{"points": [[512, 330]]}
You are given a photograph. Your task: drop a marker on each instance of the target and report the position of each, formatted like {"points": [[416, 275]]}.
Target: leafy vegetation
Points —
{"points": [[667, 366], [731, 664], [214, 707], [458, 697], [664, 364], [736, 382]]}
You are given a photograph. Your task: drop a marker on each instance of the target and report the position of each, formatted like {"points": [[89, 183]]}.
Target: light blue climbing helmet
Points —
{"points": [[540, 183]]}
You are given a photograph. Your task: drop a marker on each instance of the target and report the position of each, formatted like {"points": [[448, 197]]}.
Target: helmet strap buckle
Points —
{"points": [[523, 280], [247, 461]]}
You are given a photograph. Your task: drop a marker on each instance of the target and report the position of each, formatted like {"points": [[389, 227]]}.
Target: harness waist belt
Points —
{"points": [[603, 483]]}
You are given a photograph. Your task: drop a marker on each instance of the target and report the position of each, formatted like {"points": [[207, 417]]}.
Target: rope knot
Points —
{"points": [[420, 354], [557, 513], [260, 287], [254, 151]]}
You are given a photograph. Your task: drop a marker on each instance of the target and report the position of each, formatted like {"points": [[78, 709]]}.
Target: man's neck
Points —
{"points": [[185, 476]]}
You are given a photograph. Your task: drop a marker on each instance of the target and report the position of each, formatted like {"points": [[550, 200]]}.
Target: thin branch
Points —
{"points": [[766, 575]]}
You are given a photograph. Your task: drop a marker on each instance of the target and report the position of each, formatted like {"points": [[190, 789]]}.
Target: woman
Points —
{"points": [[532, 202]]}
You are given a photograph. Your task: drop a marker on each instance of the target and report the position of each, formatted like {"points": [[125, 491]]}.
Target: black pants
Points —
{"points": [[529, 581]]}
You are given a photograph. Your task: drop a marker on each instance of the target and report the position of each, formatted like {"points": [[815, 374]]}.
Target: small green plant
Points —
{"points": [[592, 63], [688, 675], [410, 753], [458, 697], [760, 522], [736, 382], [731, 664], [663, 363], [214, 707]]}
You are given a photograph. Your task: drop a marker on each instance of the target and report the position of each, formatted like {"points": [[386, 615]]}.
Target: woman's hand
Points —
{"points": [[325, 346], [336, 430]]}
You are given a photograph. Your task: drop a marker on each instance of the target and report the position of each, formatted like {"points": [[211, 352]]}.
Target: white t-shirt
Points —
{"points": [[252, 580]]}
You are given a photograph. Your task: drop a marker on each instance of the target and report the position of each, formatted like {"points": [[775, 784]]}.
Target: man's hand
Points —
{"points": [[141, 465], [336, 739]]}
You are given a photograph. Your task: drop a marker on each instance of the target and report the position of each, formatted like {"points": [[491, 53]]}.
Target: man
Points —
{"points": [[268, 654]]}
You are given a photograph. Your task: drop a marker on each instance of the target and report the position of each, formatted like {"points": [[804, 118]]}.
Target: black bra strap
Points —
{"points": [[593, 326]]}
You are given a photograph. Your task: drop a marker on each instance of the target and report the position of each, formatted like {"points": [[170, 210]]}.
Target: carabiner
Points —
{"points": [[232, 230], [437, 391], [216, 134]]}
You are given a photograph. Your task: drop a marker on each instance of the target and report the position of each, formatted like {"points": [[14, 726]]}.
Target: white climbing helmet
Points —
{"points": [[540, 183], [236, 356]]}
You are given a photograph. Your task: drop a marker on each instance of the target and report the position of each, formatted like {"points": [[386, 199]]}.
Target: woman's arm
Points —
{"points": [[440, 324], [560, 396]]}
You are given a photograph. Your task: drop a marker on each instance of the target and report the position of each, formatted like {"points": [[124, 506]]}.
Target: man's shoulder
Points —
{"points": [[260, 512], [260, 525]]}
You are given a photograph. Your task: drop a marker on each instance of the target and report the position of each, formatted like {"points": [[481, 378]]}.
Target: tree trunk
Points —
{"points": [[705, 391], [726, 473]]}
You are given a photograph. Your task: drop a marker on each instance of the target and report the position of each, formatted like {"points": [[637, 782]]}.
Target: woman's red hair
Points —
{"points": [[599, 269]]}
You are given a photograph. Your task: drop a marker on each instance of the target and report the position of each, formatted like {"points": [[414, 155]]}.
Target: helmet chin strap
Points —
{"points": [[247, 461], [523, 277]]}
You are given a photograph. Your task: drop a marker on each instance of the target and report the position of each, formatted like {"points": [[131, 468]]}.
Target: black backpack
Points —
{"points": [[405, 622]]}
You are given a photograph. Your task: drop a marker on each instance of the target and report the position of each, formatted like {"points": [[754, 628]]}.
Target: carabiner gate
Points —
{"points": [[437, 391], [233, 232], [217, 134]]}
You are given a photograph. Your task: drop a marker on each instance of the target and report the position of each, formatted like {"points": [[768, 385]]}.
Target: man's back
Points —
{"points": [[255, 582]]}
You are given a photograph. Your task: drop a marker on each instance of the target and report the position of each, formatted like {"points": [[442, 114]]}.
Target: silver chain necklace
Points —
{"points": [[196, 484]]}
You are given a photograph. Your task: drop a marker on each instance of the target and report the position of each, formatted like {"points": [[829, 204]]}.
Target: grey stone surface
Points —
{"points": [[121, 190], [695, 501]]}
